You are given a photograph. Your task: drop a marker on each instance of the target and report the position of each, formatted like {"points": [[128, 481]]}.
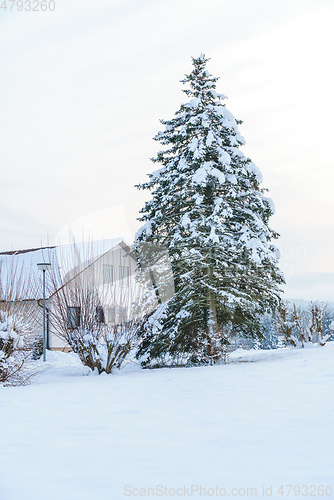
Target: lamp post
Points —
{"points": [[44, 266]]}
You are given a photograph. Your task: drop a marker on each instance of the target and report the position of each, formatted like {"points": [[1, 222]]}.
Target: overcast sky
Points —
{"points": [[82, 90]]}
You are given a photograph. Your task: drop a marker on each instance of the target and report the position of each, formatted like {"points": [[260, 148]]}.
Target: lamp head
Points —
{"points": [[43, 266]]}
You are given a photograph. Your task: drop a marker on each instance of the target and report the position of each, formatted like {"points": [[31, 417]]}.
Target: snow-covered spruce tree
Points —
{"points": [[272, 338], [209, 211]]}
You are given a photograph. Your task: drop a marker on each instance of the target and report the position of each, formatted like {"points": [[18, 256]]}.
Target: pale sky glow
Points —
{"points": [[83, 88]]}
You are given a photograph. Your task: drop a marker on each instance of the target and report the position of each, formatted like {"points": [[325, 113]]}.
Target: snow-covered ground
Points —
{"points": [[263, 420]]}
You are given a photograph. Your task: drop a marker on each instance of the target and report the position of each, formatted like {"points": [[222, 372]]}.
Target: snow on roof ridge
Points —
{"points": [[27, 250], [115, 241]]}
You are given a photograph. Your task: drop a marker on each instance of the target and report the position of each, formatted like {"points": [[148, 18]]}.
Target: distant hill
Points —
{"points": [[304, 303]]}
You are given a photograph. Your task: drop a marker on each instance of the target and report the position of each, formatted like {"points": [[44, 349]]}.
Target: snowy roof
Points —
{"points": [[19, 275]]}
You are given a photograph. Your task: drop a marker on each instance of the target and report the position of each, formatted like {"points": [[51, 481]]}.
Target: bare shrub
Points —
{"points": [[104, 327], [316, 329], [301, 327]]}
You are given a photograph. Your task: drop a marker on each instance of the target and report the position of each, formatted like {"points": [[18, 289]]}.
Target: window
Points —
{"points": [[99, 315], [111, 314], [124, 275], [73, 317], [116, 315], [122, 315], [108, 273]]}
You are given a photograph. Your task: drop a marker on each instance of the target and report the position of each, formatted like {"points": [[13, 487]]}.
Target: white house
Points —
{"points": [[92, 281]]}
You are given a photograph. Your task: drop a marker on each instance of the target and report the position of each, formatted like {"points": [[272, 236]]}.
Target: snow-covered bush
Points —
{"points": [[18, 322], [13, 352], [103, 349], [37, 347]]}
